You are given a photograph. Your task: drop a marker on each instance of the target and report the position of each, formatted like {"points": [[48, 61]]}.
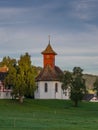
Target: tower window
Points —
{"points": [[46, 87], [56, 87]]}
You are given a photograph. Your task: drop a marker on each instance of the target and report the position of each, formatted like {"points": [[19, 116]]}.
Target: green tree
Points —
{"points": [[78, 88], [25, 78], [11, 74], [66, 80], [9, 62], [76, 83], [96, 86]]}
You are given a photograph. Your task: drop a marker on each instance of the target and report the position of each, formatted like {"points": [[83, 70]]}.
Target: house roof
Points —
{"points": [[49, 50], [50, 74], [4, 69], [88, 97], [3, 72]]}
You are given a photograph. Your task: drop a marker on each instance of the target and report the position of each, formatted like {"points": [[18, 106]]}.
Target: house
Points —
{"points": [[48, 80], [90, 98], [5, 93]]}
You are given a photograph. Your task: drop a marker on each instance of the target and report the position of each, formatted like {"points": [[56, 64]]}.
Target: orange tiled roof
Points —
{"points": [[49, 50], [4, 69]]}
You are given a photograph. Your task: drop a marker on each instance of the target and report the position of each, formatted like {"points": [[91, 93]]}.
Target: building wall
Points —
{"points": [[51, 91], [49, 59], [5, 95]]}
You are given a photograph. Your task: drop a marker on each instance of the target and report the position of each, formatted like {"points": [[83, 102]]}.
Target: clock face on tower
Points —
{"points": [[47, 56]]}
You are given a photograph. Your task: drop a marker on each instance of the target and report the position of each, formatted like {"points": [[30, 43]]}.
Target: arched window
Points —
{"points": [[37, 87], [46, 87], [56, 87]]}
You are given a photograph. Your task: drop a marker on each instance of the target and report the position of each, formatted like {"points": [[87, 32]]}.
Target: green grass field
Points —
{"points": [[47, 115]]}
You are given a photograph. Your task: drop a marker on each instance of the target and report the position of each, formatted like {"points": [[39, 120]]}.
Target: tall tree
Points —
{"points": [[78, 87], [76, 83], [25, 78]]}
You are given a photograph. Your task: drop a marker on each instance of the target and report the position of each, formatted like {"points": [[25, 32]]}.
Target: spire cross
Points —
{"points": [[49, 39]]}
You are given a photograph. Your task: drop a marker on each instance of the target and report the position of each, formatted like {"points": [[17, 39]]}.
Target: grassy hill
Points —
{"points": [[90, 79], [47, 115]]}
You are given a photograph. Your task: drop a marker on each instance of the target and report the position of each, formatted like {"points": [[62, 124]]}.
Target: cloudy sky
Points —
{"points": [[72, 24]]}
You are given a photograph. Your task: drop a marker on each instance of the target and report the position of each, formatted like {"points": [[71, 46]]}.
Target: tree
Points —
{"points": [[11, 74], [25, 78], [76, 83], [66, 80], [78, 87], [8, 62], [21, 76], [96, 86]]}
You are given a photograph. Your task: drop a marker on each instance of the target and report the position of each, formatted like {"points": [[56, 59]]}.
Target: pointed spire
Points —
{"points": [[49, 39], [49, 49]]}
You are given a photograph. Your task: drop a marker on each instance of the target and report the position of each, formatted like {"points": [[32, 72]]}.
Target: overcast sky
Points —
{"points": [[72, 24]]}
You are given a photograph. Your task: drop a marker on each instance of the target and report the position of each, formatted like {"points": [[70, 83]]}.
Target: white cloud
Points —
{"points": [[84, 9], [25, 29]]}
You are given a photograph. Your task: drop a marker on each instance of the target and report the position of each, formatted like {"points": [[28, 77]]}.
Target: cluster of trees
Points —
{"points": [[77, 85], [20, 77]]}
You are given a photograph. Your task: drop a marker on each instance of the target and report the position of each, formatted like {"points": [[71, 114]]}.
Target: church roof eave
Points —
{"points": [[49, 74]]}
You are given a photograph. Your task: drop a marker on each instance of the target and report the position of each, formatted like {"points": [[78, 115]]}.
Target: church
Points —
{"points": [[48, 80]]}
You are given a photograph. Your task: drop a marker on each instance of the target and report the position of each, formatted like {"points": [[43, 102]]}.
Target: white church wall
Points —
{"points": [[51, 91]]}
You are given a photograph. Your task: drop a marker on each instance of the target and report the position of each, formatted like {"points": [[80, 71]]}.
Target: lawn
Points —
{"points": [[47, 115]]}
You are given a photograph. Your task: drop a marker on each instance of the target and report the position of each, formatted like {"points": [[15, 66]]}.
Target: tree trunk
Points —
{"points": [[21, 99], [76, 103]]}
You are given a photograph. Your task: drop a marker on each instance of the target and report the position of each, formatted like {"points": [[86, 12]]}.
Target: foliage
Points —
{"points": [[8, 62], [66, 80], [11, 74], [21, 76], [76, 83], [25, 80]]}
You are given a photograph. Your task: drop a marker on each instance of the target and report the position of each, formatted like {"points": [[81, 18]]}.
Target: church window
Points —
{"points": [[56, 87], [46, 87], [37, 87]]}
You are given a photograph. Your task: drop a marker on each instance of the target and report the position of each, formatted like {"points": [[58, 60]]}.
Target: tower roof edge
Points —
{"points": [[49, 50]]}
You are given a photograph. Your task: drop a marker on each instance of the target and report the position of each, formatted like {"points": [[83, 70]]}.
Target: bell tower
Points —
{"points": [[49, 56]]}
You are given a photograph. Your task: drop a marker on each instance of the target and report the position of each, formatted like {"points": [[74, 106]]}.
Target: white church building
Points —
{"points": [[48, 80]]}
